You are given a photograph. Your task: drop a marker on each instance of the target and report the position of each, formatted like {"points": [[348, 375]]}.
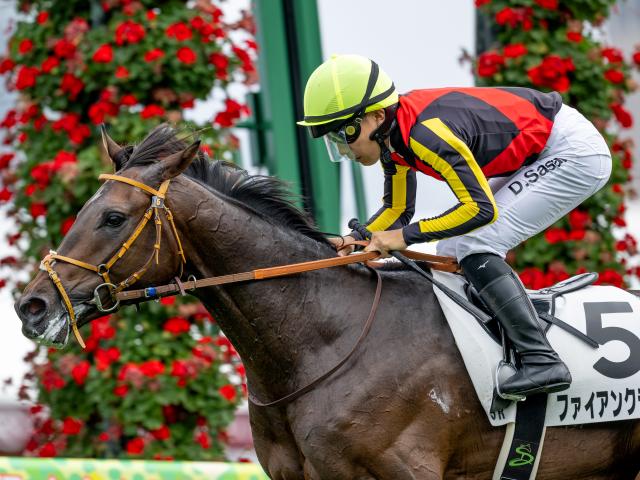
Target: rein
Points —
{"points": [[119, 294]]}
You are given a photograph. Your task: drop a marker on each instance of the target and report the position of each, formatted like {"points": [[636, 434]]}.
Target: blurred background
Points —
{"points": [[240, 66]]}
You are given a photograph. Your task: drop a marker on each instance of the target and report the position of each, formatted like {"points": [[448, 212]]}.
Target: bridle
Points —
{"points": [[157, 205]]}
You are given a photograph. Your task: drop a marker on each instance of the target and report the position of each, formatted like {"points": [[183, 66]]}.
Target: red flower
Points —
{"points": [[49, 64], [489, 63], [104, 54], [176, 325], [179, 368], [38, 209], [205, 352], [204, 440], [26, 77], [168, 301], [129, 32], [169, 413], [555, 235], [575, 37], [620, 222], [25, 46], [611, 277], [61, 158], [614, 76], [180, 31], [5, 159], [79, 134], [151, 111], [64, 49], [104, 358], [66, 225], [532, 278], [576, 235], [579, 219], [219, 60], [71, 426], [42, 17], [186, 55], [101, 109], [636, 59], [128, 100], [154, 54], [552, 73], [47, 450], [161, 433], [617, 188], [151, 15], [135, 446], [80, 372], [548, 4], [613, 55], [101, 328], [121, 391], [507, 15], [480, 3], [6, 65], [622, 115], [122, 72], [228, 391], [152, 368], [71, 85], [5, 195], [514, 50], [103, 437]]}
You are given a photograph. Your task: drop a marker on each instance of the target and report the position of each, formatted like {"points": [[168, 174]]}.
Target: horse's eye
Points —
{"points": [[114, 220]]}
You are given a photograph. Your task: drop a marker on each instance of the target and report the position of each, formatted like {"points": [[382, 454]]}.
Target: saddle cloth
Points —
{"points": [[606, 380]]}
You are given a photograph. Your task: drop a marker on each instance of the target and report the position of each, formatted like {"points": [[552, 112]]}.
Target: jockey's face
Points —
{"points": [[367, 151]]}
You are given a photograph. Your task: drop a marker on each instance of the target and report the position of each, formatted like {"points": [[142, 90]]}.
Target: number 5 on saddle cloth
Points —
{"points": [[597, 334]]}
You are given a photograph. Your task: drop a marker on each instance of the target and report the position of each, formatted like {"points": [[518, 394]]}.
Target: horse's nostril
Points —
{"points": [[34, 307]]}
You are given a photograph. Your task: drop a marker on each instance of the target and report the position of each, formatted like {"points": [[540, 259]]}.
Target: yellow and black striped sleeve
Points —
{"points": [[434, 143], [398, 201]]}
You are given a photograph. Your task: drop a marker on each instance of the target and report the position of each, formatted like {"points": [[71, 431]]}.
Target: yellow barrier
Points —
{"points": [[24, 468]]}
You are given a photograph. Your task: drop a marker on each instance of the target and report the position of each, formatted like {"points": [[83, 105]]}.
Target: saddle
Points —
{"points": [[597, 334]]}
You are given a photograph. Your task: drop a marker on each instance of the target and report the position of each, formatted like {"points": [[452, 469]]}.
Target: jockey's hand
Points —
{"points": [[386, 241], [339, 242]]}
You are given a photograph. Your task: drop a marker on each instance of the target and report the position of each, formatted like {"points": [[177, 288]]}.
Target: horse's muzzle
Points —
{"points": [[33, 312]]}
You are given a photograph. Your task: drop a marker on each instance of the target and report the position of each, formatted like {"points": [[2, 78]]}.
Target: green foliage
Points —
{"points": [[161, 382]]}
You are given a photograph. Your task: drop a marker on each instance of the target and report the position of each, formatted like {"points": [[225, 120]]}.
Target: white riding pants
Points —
{"points": [[574, 164]]}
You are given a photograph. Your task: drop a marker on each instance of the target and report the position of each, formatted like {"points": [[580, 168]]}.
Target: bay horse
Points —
{"points": [[401, 408]]}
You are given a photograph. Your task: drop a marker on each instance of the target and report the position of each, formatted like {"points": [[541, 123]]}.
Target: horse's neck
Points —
{"points": [[271, 323]]}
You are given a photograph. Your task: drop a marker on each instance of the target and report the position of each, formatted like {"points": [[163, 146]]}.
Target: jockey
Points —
{"points": [[543, 158]]}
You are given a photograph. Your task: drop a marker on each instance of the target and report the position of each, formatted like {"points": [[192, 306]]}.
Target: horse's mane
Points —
{"points": [[266, 196]]}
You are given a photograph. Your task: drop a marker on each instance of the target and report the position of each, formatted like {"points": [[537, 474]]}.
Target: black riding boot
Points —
{"points": [[501, 290]]}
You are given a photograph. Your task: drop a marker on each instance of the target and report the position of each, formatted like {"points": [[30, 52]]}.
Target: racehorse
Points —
{"points": [[402, 407]]}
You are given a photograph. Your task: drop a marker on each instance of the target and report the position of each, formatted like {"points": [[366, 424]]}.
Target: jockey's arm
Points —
{"points": [[435, 144], [398, 201]]}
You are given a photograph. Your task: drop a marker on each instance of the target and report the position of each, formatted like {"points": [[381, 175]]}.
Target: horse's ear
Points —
{"points": [[175, 164], [111, 148]]}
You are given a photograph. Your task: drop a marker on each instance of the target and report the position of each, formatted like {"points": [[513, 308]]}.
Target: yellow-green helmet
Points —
{"points": [[343, 87]]}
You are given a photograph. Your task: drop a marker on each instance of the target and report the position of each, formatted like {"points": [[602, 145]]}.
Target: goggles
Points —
{"points": [[337, 141]]}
